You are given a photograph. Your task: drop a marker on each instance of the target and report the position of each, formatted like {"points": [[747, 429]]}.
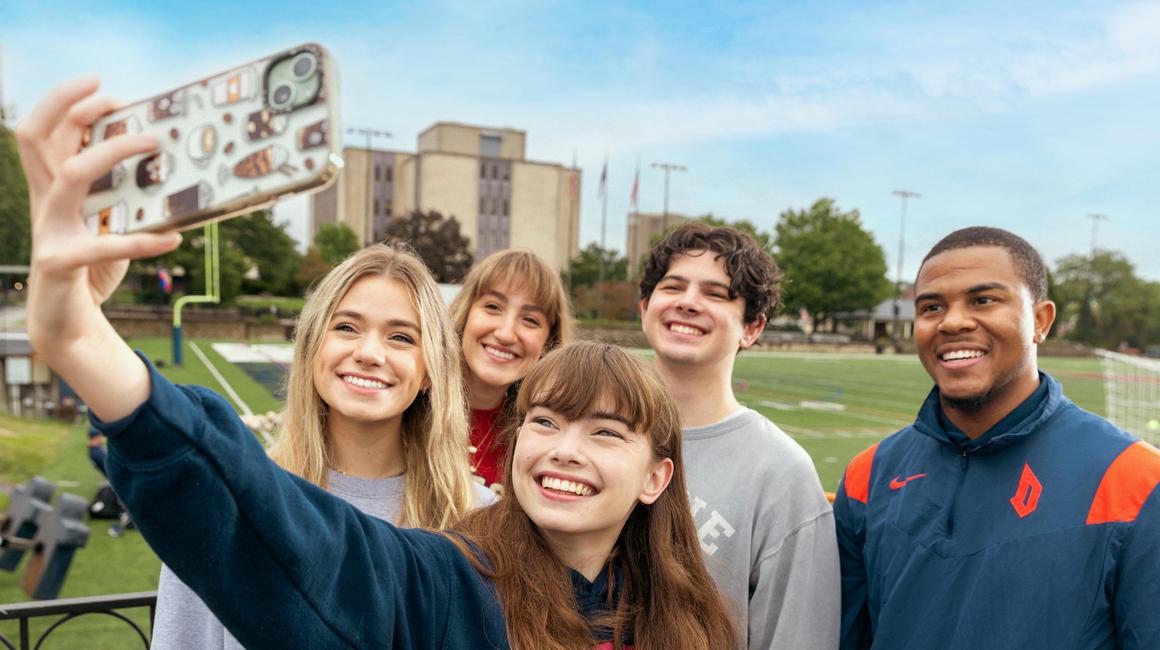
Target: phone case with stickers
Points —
{"points": [[230, 144]]}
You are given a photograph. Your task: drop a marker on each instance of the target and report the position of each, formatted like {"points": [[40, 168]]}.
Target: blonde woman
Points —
{"points": [[374, 414], [511, 311]]}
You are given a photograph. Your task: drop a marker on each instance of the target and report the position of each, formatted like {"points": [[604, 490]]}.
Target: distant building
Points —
{"points": [[642, 228], [478, 175]]}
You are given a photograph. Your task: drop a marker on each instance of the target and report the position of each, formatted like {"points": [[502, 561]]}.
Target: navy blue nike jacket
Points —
{"points": [[1044, 532]]}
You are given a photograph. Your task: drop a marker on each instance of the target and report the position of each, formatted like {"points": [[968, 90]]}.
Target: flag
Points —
{"points": [[604, 178], [165, 280], [635, 187]]}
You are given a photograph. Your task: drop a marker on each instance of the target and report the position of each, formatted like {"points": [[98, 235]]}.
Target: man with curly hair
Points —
{"points": [[765, 526]]}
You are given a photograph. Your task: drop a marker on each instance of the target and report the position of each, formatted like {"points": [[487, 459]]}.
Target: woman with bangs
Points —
{"points": [[363, 418], [511, 310], [595, 546]]}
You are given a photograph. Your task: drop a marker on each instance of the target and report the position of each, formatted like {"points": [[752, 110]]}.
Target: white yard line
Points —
{"points": [[221, 380]]}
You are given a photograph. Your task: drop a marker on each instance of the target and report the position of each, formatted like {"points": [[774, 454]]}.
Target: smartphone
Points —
{"points": [[230, 144]]}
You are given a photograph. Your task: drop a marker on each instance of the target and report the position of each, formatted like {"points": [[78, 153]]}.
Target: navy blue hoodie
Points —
{"points": [[1044, 532]]}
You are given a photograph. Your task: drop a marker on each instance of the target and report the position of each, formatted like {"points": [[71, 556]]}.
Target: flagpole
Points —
{"points": [[603, 229]]}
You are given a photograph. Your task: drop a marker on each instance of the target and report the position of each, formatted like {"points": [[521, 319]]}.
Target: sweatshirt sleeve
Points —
{"points": [[849, 521], [794, 601], [279, 561]]}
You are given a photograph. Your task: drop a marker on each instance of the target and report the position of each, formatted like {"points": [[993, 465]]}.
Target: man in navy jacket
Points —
{"points": [[1005, 516]]}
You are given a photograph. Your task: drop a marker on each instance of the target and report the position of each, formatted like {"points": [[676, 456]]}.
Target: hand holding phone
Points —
{"points": [[229, 144]]}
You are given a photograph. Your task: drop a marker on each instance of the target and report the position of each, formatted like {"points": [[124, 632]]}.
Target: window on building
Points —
{"points": [[494, 172], [489, 145], [505, 207], [376, 208], [482, 209], [507, 172], [483, 170], [388, 174], [378, 173]]}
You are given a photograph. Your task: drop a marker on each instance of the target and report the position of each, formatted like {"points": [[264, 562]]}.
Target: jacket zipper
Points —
{"points": [[950, 521]]}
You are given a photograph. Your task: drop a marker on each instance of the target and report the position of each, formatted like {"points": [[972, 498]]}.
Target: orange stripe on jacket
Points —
{"points": [[1126, 484], [857, 481]]}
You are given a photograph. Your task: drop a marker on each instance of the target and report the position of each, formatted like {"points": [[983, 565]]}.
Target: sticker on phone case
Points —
{"points": [[167, 106], [265, 161], [265, 123], [154, 170], [125, 125], [189, 200], [312, 136], [113, 219], [110, 181], [201, 144], [234, 87]]}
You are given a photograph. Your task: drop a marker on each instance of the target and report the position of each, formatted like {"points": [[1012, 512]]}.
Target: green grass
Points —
{"points": [[877, 396]]}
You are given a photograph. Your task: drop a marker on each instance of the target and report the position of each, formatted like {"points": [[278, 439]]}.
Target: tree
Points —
{"points": [[187, 265], [585, 267], [15, 244], [1101, 301], [270, 248], [830, 263], [335, 242], [437, 241]]}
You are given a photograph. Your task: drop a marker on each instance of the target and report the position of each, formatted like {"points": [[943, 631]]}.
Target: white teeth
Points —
{"points": [[506, 356], [685, 329], [363, 383], [955, 355], [553, 483]]}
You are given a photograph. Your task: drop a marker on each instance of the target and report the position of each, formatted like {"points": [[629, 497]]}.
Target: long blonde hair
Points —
{"points": [[438, 486]]}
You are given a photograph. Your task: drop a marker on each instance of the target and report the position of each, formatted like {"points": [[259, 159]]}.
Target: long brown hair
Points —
{"points": [[668, 598], [438, 486]]}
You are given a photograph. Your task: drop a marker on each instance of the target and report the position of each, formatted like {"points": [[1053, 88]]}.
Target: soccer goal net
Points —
{"points": [[1132, 393]]}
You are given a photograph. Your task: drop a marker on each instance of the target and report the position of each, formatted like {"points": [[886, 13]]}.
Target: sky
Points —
{"points": [[1028, 116]]}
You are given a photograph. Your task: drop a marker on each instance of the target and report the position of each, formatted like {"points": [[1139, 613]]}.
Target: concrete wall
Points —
{"points": [[535, 223]]}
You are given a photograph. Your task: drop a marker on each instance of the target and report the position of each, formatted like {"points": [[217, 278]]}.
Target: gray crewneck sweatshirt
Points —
{"points": [[182, 620], [766, 530]]}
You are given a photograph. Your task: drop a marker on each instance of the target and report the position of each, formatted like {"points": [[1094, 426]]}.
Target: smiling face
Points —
{"points": [[369, 366], [690, 318], [976, 330], [578, 480], [504, 336]]}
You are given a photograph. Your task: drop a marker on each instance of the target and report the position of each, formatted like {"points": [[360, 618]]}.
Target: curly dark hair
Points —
{"points": [[1027, 260], [753, 274]]}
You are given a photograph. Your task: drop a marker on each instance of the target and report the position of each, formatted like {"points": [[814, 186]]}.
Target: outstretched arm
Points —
{"points": [[74, 270]]}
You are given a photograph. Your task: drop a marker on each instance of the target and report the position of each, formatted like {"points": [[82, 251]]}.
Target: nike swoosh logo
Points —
{"points": [[898, 481]]}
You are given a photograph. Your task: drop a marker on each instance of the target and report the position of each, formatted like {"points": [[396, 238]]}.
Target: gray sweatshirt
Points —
{"points": [[767, 531], [183, 621]]}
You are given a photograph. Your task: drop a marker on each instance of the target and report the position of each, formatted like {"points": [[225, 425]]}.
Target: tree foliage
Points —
{"points": [[585, 267], [335, 242], [830, 263], [437, 241], [268, 247], [15, 243], [1100, 301]]}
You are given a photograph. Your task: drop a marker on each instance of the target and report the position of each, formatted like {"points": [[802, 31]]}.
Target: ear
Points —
{"points": [[751, 331], [656, 481], [1044, 315], [426, 385], [643, 307]]}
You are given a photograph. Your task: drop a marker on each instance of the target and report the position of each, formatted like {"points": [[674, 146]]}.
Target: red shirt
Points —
{"points": [[487, 460]]}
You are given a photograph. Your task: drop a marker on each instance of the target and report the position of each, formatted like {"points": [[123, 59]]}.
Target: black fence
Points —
{"points": [[69, 609]]}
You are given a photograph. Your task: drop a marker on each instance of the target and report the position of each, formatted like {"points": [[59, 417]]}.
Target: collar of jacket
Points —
{"points": [[1006, 432]]}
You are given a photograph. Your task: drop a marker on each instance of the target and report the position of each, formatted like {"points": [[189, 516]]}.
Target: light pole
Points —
{"points": [[905, 194], [1096, 219], [369, 133], [668, 167]]}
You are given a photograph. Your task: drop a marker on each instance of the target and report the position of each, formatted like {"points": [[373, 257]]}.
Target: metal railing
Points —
{"points": [[72, 608]]}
